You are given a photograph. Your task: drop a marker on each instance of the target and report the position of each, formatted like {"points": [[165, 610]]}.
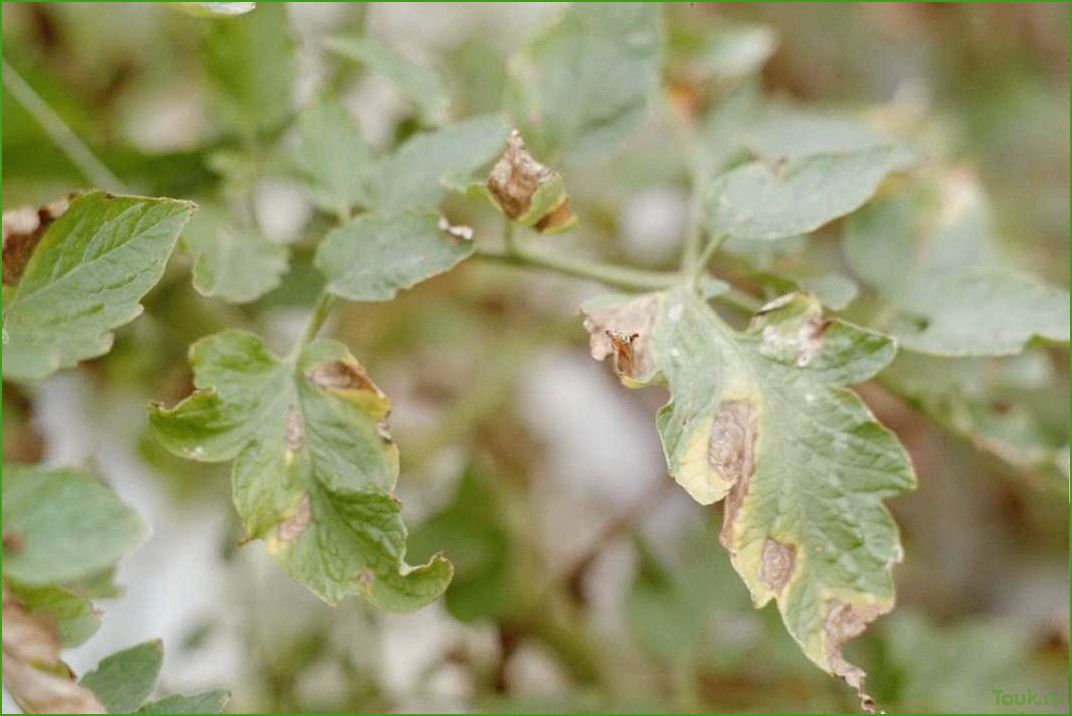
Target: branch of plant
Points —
{"points": [[83, 158], [622, 277], [321, 309]]}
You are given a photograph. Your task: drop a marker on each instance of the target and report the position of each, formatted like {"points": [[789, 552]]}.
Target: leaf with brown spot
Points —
{"points": [[529, 192], [762, 418], [314, 469]]}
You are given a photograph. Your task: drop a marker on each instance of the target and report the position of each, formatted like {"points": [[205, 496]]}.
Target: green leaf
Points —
{"points": [[786, 133], [314, 467], [373, 256], [586, 81], [416, 175], [933, 255], [673, 611], [208, 702], [74, 617], [230, 262], [472, 533], [250, 63], [124, 680], [760, 201], [334, 157], [763, 419], [988, 401], [420, 85], [62, 525], [85, 278]]}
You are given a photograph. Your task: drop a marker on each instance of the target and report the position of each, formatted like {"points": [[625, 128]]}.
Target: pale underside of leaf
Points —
{"points": [[85, 278], [314, 465], [763, 420]]}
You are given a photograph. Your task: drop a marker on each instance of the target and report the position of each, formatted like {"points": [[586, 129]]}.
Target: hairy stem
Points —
{"points": [[75, 149]]}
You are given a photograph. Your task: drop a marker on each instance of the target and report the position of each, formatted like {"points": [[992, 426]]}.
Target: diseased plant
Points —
{"points": [[759, 362]]}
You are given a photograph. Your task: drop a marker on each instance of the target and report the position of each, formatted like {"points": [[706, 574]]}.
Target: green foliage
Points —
{"points": [[251, 64], [775, 433], [123, 681], [85, 278], [778, 237], [932, 253], [314, 465], [760, 202], [65, 525], [472, 532], [586, 81], [371, 257], [74, 616], [420, 85], [232, 263]]}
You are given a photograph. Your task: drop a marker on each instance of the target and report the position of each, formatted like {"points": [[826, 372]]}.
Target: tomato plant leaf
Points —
{"points": [[762, 201], [373, 256], [85, 278], [527, 191], [988, 401], [763, 419], [416, 175], [334, 156], [34, 675], [75, 618], [232, 263], [586, 81], [124, 680], [934, 256], [314, 467], [208, 702], [250, 62], [420, 85], [62, 525], [472, 532], [785, 133]]}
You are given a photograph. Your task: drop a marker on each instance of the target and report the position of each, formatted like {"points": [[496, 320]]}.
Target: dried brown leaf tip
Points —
{"points": [[529, 192], [23, 229], [624, 331], [34, 675], [842, 623], [348, 379]]}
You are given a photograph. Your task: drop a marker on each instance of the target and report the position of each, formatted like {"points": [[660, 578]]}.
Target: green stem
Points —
{"points": [[622, 277], [690, 257], [316, 321], [705, 258], [75, 149]]}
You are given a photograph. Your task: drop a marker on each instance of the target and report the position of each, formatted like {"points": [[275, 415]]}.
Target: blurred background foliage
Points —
{"points": [[582, 582]]}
